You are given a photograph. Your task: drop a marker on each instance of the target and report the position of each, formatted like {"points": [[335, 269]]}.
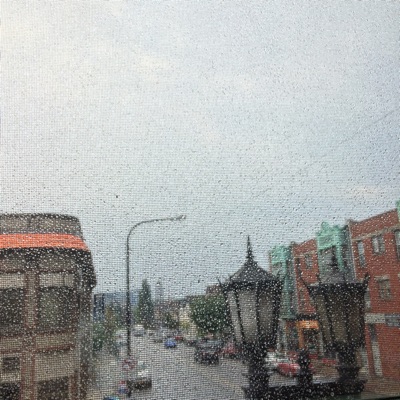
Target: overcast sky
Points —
{"points": [[260, 118]]}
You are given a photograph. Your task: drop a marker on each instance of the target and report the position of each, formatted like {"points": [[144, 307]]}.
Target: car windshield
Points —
{"points": [[208, 345], [182, 175]]}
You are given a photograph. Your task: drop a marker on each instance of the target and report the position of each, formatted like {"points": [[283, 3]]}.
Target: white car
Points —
{"points": [[120, 337], [142, 376], [273, 359]]}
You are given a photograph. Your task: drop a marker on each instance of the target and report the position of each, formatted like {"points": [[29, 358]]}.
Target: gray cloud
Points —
{"points": [[257, 118]]}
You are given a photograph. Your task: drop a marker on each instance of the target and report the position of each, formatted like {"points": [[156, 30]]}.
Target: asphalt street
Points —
{"points": [[175, 374]]}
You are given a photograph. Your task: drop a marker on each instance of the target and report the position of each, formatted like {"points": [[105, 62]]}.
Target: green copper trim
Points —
{"points": [[282, 266], [330, 236], [280, 254], [334, 236]]}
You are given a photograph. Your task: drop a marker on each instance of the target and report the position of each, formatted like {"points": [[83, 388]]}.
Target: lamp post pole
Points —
{"points": [[128, 311]]}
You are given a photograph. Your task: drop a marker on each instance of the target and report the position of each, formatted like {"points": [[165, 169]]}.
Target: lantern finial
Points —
{"points": [[249, 250]]}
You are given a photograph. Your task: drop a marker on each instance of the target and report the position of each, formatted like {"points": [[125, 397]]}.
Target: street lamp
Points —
{"points": [[128, 311], [253, 298], [340, 308]]}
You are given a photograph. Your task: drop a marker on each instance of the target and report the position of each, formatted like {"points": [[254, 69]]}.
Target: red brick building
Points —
{"points": [[369, 246], [375, 246], [305, 262]]}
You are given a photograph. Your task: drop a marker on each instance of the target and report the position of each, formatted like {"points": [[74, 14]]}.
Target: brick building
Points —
{"points": [[376, 248], [305, 263], [46, 281], [369, 246]]}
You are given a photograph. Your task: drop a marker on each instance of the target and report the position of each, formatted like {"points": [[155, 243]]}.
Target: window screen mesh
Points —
{"points": [[143, 141]]}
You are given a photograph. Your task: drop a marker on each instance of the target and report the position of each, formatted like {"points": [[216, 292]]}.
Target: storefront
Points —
{"points": [[308, 335]]}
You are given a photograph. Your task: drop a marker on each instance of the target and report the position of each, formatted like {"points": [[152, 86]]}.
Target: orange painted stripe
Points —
{"points": [[29, 240]]}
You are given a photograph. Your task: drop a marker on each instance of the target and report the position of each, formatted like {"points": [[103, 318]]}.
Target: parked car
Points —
{"points": [[218, 344], [230, 351], [290, 367], [273, 359], [178, 337], [190, 340], [111, 398], [170, 343], [207, 352], [139, 331], [120, 337], [142, 376]]}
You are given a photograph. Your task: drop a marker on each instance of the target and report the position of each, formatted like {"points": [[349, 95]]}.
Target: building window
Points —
{"points": [[10, 391], [397, 239], [289, 270], [345, 257], [367, 299], [326, 258], [56, 389], [298, 266], [378, 244], [384, 288], [277, 267], [308, 261], [10, 364], [11, 310], [57, 308], [361, 254], [292, 301], [372, 333], [302, 300]]}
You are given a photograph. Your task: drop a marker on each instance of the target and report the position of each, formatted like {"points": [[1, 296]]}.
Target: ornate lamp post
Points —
{"points": [[340, 310], [253, 298]]}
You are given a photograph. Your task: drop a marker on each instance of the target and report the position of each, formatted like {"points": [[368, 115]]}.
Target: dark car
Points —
{"points": [[207, 352]]}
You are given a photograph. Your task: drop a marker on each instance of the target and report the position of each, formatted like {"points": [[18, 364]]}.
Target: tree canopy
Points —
{"points": [[145, 305], [209, 314]]}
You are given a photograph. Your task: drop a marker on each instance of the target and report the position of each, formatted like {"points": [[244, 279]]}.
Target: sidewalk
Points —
{"points": [[94, 394], [375, 387], [383, 386]]}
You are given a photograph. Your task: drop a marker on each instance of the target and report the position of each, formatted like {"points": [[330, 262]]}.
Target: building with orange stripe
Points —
{"points": [[46, 284]]}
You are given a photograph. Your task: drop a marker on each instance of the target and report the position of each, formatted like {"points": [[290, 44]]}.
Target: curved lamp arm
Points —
{"points": [[128, 311]]}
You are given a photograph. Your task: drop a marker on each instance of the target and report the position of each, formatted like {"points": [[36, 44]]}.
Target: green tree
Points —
{"points": [[209, 314], [104, 332], [170, 322], [145, 305]]}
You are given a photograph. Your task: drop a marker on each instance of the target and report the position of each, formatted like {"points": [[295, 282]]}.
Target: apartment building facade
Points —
{"points": [[46, 281], [376, 248]]}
